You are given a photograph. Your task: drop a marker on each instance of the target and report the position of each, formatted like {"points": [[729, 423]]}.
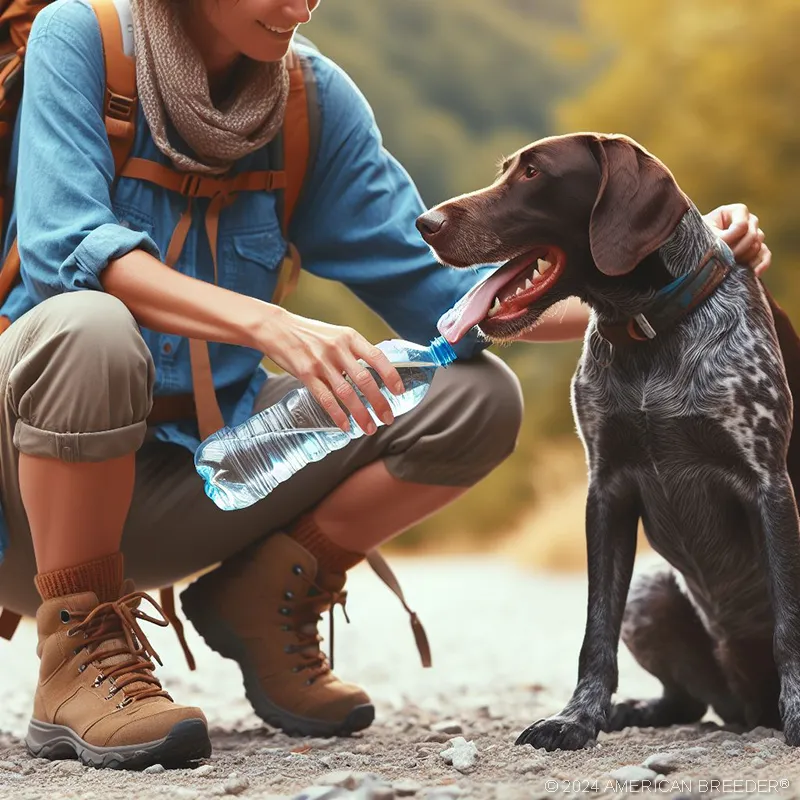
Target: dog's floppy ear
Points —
{"points": [[638, 205]]}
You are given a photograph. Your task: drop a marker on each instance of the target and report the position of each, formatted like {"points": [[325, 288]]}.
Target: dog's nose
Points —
{"points": [[431, 223]]}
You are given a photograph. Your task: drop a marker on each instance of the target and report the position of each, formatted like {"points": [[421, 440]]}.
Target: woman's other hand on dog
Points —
{"points": [[738, 228]]}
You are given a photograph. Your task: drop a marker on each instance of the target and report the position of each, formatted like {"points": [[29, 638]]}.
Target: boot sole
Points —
{"points": [[187, 741], [219, 637]]}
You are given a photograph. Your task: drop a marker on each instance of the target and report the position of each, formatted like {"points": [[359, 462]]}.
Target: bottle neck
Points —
{"points": [[442, 351]]}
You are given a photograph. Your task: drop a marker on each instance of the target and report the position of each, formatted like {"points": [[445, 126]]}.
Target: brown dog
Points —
{"points": [[685, 411]]}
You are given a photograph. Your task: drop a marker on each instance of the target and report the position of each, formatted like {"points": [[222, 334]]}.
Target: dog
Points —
{"points": [[683, 404]]}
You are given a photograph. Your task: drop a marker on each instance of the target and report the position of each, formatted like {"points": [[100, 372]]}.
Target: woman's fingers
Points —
{"points": [[377, 359], [363, 379], [326, 398]]}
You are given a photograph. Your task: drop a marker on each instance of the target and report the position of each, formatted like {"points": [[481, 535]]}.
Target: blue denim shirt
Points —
{"points": [[354, 224]]}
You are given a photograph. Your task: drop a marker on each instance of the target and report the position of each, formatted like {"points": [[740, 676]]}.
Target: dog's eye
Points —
{"points": [[531, 171]]}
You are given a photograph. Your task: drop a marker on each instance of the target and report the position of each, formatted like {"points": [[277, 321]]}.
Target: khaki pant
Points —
{"points": [[78, 378]]}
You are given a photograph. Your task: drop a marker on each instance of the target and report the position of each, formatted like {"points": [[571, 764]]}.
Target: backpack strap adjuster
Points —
{"points": [[191, 185]]}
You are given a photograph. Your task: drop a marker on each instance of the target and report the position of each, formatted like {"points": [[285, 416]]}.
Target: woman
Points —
{"points": [[88, 474]]}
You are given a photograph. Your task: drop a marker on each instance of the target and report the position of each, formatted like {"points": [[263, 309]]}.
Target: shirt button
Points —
{"points": [[166, 348]]}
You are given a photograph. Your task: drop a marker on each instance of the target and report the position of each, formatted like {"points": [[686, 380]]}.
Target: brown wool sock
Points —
{"points": [[330, 556], [102, 576]]}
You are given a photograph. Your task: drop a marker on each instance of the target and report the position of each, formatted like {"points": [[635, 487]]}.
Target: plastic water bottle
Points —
{"points": [[243, 464]]}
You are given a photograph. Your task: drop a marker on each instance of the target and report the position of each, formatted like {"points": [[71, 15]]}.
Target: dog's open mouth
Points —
{"points": [[506, 294]]}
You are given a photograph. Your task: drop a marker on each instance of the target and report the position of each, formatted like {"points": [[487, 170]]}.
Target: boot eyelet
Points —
{"points": [[288, 596], [81, 668], [285, 628], [65, 616], [285, 611], [98, 680], [295, 669], [76, 651], [297, 569], [125, 702], [309, 682]]}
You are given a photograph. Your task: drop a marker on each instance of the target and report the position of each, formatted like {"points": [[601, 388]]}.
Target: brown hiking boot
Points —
{"points": [[97, 698], [261, 609]]}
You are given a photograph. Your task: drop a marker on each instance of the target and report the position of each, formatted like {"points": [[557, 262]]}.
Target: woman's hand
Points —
{"points": [[322, 356], [738, 228]]}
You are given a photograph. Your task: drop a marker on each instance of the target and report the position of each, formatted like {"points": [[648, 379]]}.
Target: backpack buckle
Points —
{"points": [[119, 107], [190, 187]]}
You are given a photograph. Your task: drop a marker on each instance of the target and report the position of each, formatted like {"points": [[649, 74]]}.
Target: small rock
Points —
{"points": [[662, 762], [364, 749], [321, 793], [437, 737], [10, 766], [343, 778], [380, 791], [461, 754], [406, 788], [447, 726], [236, 785], [202, 771], [758, 762], [693, 752], [633, 775], [154, 769], [72, 767]]}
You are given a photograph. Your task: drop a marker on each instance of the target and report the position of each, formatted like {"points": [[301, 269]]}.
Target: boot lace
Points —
{"points": [[129, 665], [307, 614]]}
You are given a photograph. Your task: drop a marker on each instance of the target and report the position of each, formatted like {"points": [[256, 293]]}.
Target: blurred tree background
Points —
{"points": [[711, 88]]}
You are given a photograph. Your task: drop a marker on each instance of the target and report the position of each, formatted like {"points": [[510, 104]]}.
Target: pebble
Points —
{"points": [[758, 762], [72, 767], [461, 754], [693, 751], [447, 726], [236, 785], [662, 762], [406, 788], [154, 769], [203, 770], [322, 793], [10, 766], [343, 778], [633, 775]]}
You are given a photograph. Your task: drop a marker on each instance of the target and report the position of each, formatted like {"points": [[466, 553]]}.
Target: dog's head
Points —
{"points": [[566, 214]]}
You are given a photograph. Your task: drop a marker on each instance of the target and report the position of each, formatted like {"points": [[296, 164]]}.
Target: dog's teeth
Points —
{"points": [[537, 277], [495, 307], [528, 283], [519, 290], [543, 265]]}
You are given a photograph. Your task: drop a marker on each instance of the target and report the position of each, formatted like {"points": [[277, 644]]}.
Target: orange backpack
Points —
{"points": [[290, 154]]}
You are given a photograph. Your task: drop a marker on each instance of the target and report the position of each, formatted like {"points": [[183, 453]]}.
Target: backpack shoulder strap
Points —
{"points": [[299, 141], [121, 100]]}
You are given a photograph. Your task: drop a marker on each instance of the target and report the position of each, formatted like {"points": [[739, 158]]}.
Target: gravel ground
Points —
{"points": [[505, 645]]}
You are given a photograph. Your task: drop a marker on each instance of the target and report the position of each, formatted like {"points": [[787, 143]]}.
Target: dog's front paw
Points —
{"points": [[558, 733]]}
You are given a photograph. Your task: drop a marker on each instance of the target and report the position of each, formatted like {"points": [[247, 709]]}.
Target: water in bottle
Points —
{"points": [[240, 465]]}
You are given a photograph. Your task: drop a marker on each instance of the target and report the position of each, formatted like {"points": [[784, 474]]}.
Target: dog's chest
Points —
{"points": [[695, 396]]}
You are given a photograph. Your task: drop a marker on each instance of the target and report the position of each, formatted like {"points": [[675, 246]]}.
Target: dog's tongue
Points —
{"points": [[475, 304]]}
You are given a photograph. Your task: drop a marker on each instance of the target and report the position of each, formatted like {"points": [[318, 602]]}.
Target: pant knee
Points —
{"points": [[82, 387], [471, 425]]}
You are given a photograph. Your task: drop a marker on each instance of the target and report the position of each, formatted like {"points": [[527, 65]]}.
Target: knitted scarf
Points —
{"points": [[172, 83]]}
